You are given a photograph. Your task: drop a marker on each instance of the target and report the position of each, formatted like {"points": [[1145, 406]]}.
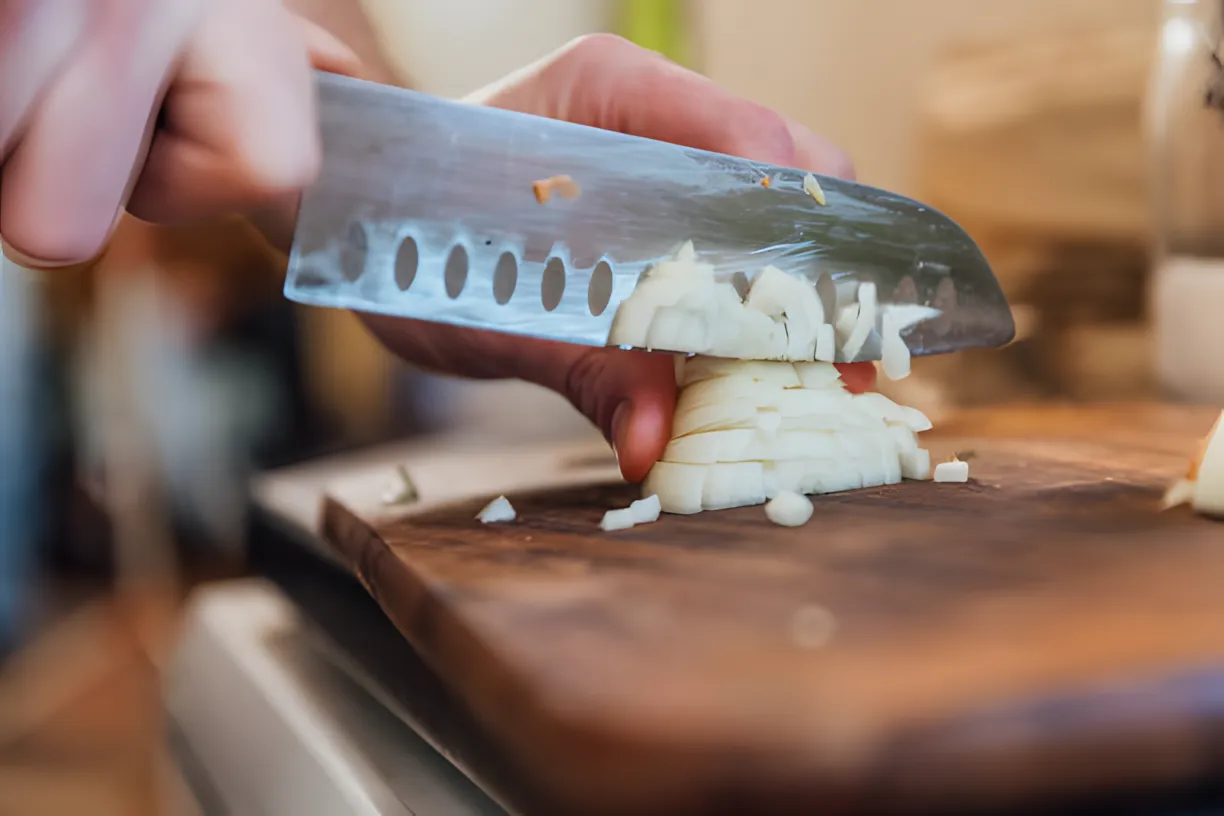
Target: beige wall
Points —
{"points": [[851, 68], [453, 47]]}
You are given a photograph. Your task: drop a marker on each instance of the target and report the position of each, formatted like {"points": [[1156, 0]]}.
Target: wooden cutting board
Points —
{"points": [[1041, 632]]}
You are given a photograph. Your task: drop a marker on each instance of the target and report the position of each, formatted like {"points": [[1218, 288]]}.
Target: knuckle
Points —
{"points": [[277, 167], [841, 166], [603, 43], [765, 133]]}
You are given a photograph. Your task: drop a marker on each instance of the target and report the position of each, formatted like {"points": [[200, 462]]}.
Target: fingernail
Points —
{"points": [[27, 262], [620, 427]]}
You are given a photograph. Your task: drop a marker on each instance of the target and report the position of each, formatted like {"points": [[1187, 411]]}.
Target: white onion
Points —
{"points": [[642, 511], [812, 187], [956, 471], [894, 353], [789, 509], [742, 437], [498, 510], [864, 321], [1203, 485]]}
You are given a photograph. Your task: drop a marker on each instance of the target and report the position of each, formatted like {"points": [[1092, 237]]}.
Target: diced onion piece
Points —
{"points": [[642, 511], [776, 294], [566, 186], [678, 486], [812, 187], [864, 322], [496, 511], [956, 471], [753, 445], [614, 520], [826, 343], [645, 510], [1203, 485], [789, 509], [745, 432], [699, 369], [733, 484], [1179, 493], [916, 464], [847, 319], [818, 375], [1209, 483], [879, 405], [894, 353]]}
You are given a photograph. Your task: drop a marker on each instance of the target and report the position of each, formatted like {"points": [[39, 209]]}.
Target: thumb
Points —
{"points": [[630, 396]]}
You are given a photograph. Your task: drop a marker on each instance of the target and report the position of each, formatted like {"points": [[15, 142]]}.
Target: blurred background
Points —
{"points": [[1025, 121]]}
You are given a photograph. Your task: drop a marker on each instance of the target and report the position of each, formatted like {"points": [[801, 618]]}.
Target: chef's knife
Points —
{"points": [[432, 209]]}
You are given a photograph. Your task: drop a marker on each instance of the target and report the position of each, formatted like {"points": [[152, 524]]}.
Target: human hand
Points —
{"points": [[176, 109], [606, 82]]}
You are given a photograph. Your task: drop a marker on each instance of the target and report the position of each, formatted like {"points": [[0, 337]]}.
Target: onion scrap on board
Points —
{"points": [[497, 511], [1203, 485]]}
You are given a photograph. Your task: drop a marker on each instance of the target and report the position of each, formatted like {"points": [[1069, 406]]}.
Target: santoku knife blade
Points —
{"points": [[427, 208]]}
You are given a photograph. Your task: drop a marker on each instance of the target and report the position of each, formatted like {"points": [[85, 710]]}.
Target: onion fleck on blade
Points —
{"points": [[789, 509], [1203, 485], [812, 187], [544, 188], [497, 511], [542, 191]]}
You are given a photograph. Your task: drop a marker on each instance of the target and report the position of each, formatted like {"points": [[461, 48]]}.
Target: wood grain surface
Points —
{"points": [[1043, 631]]}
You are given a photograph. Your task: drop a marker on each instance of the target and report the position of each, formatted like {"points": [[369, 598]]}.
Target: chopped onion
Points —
{"points": [[1203, 485], [864, 321], [955, 471], [916, 464], [646, 510], [812, 187], [826, 343], [789, 509], [847, 319], [642, 511], [745, 433], [1180, 492], [498, 510], [680, 305], [614, 520], [894, 353]]}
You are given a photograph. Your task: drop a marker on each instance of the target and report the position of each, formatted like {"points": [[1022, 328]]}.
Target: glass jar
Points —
{"points": [[1185, 131]]}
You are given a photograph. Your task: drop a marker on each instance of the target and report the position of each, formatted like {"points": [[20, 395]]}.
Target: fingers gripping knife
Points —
{"points": [[438, 210]]}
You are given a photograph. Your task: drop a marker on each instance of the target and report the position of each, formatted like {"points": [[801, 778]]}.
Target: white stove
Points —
{"points": [[272, 719]]}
